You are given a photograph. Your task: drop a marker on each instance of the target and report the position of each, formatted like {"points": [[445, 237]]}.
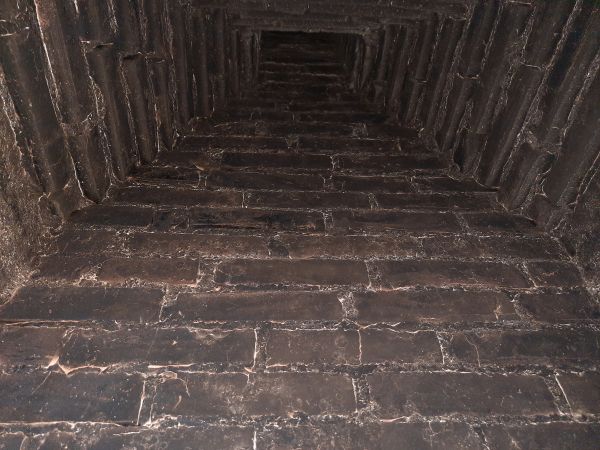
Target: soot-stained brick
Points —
{"points": [[433, 394], [278, 394]]}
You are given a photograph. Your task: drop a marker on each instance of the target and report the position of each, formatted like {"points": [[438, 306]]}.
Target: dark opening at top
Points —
{"points": [[327, 49]]}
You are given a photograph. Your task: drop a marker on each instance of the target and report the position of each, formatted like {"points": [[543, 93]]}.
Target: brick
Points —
{"points": [[109, 215], [312, 347], [196, 143], [259, 180], [554, 273], [528, 247], [375, 436], [338, 144], [316, 128], [372, 183], [83, 303], [167, 174], [72, 268], [498, 222], [449, 245], [388, 163], [447, 184], [348, 246], [582, 392], [436, 201], [255, 306], [392, 130], [157, 346], [448, 273], [379, 221], [156, 270], [495, 246], [255, 219], [341, 116], [149, 195], [444, 393], [545, 347], [171, 220], [188, 244], [268, 394], [550, 436], [44, 397], [228, 128], [559, 306], [74, 242], [434, 305], [378, 346], [304, 272], [184, 160], [29, 346], [307, 200], [272, 160]]}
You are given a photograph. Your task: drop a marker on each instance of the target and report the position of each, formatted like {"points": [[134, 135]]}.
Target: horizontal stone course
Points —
{"points": [[380, 436], [382, 221], [559, 306], [29, 346], [443, 393], [551, 436], [190, 244], [380, 346], [436, 201], [174, 197], [255, 306], [255, 219], [277, 394], [300, 272], [447, 273], [73, 303], [434, 305], [45, 397], [551, 273], [312, 347], [358, 246], [157, 346], [307, 200], [523, 347], [157, 270], [269, 181], [502, 222]]}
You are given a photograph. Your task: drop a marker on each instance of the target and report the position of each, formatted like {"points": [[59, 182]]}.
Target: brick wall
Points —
{"points": [[93, 89], [505, 89], [509, 92]]}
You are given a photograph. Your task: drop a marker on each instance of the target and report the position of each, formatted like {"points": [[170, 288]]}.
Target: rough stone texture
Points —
{"points": [[399, 395], [300, 271], [544, 435], [214, 395], [37, 397], [77, 112], [581, 391], [22, 213]]}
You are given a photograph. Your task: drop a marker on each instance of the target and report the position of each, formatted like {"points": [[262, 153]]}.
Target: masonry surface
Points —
{"points": [[319, 250]]}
